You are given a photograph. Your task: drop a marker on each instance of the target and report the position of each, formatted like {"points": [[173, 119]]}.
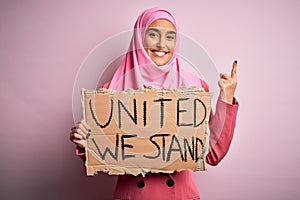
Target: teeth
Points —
{"points": [[159, 53]]}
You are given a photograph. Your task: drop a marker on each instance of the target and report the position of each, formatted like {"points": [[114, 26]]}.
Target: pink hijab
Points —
{"points": [[137, 70]]}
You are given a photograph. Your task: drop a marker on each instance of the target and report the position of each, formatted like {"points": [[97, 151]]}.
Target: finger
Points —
{"points": [[83, 134], [86, 126], [80, 143], [73, 130], [225, 76], [81, 127], [233, 70], [77, 134], [75, 137], [80, 132], [221, 83]]}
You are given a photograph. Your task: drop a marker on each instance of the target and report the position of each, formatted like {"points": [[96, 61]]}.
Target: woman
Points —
{"points": [[152, 61]]}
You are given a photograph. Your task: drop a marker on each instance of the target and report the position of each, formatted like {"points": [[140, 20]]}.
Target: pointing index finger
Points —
{"points": [[233, 70]]}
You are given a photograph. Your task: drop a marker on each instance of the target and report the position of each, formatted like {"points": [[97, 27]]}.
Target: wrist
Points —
{"points": [[228, 98]]}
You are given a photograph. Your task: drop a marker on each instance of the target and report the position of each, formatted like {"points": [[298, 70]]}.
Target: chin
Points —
{"points": [[160, 63]]}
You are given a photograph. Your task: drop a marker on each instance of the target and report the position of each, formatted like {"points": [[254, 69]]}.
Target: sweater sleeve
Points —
{"points": [[80, 152], [221, 125]]}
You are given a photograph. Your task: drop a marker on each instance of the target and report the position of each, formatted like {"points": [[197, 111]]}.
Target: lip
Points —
{"points": [[159, 53]]}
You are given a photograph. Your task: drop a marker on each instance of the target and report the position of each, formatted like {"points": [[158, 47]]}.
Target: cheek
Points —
{"points": [[170, 55], [172, 46], [148, 42]]}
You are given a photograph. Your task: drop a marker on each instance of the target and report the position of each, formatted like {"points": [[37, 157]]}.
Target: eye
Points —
{"points": [[170, 37], [153, 35]]}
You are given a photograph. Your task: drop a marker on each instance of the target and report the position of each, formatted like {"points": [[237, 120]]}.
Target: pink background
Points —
{"points": [[43, 44]]}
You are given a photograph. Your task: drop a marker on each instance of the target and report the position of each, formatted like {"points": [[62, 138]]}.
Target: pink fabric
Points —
{"points": [[155, 187], [138, 71]]}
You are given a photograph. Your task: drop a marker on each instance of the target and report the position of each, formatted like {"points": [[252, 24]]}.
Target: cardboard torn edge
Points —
{"points": [[119, 170], [185, 89]]}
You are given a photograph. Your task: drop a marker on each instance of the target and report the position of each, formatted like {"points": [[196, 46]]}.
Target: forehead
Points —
{"points": [[163, 24]]}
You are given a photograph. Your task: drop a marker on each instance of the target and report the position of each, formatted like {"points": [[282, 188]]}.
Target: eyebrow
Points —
{"points": [[157, 30]]}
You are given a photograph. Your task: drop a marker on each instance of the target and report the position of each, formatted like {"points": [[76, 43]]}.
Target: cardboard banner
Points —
{"points": [[147, 130]]}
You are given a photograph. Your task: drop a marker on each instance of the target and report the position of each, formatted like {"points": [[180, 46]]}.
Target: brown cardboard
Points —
{"points": [[147, 130]]}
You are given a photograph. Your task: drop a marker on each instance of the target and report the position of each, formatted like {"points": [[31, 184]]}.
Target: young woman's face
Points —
{"points": [[159, 41]]}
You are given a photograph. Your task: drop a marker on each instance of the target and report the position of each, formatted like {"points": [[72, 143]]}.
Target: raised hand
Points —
{"points": [[228, 84]]}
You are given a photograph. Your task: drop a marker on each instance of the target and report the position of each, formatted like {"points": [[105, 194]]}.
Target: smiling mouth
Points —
{"points": [[159, 53]]}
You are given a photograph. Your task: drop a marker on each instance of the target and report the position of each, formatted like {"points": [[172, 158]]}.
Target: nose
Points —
{"points": [[160, 43]]}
